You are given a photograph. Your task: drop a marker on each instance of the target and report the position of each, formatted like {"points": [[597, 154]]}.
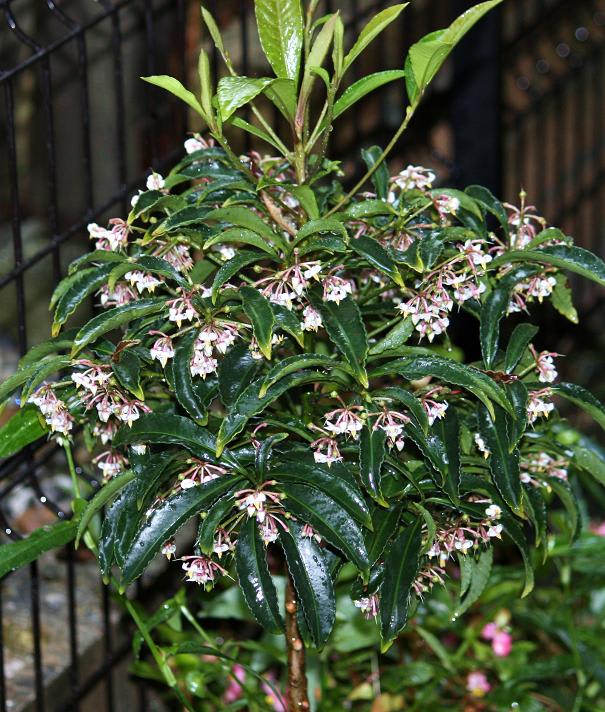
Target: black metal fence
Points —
{"points": [[521, 105]]}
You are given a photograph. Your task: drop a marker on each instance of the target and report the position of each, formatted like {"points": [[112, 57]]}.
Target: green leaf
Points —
{"points": [[243, 217], [582, 398], [280, 28], [127, 369], [233, 267], [468, 377], [244, 125], [480, 570], [504, 456], [312, 581], [565, 493], [150, 471], [377, 257], [44, 369], [104, 495], [490, 203], [395, 338], [448, 431], [34, 356], [167, 429], [258, 310], [22, 429], [175, 87], [380, 177], [254, 578], [191, 215], [518, 396], [494, 309], [574, 259], [214, 516], [514, 531], [160, 266], [288, 321], [517, 345], [184, 388], [74, 289], [16, 554], [113, 319], [235, 92], [562, 299], [306, 197], [330, 481], [206, 87], [402, 563], [296, 363], [371, 456], [313, 62], [385, 523], [362, 87], [235, 372], [241, 235], [282, 93], [329, 518], [167, 518], [346, 330], [314, 227], [371, 30], [400, 395]]}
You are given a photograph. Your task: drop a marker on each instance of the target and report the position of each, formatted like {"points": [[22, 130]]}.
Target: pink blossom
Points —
{"points": [[598, 529], [477, 684], [234, 689], [502, 644], [489, 631]]}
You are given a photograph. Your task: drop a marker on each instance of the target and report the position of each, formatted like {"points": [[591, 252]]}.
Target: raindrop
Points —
{"points": [[563, 50], [582, 34], [542, 66], [78, 470], [43, 499], [8, 531], [523, 83]]}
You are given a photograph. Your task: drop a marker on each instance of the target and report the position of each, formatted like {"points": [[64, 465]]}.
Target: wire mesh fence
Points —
{"points": [[520, 105]]}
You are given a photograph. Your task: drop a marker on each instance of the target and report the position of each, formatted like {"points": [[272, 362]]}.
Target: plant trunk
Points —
{"points": [[296, 695]]}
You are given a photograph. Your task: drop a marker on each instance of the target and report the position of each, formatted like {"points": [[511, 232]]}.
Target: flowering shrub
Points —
{"points": [[272, 359]]}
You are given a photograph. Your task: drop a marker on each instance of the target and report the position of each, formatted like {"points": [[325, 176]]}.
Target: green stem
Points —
{"points": [[72, 469], [369, 173]]}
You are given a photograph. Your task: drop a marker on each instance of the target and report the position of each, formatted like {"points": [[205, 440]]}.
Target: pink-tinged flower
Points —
{"points": [[222, 543], [335, 289], [54, 410], [162, 349], [414, 178], [120, 295], [181, 309], [489, 631], [312, 319], [110, 463], [545, 366], [344, 421], [475, 255], [446, 205], [202, 365], [131, 411], [310, 533], [201, 570], [200, 473], [502, 644], [155, 181], [142, 281], [435, 410], [368, 605], [427, 577], [392, 422], [216, 336], [169, 549], [273, 698], [481, 446], [540, 287], [477, 684], [255, 502], [105, 431], [177, 255], [93, 378], [325, 451], [269, 530], [537, 406], [195, 143], [537, 466], [234, 690], [598, 529]]}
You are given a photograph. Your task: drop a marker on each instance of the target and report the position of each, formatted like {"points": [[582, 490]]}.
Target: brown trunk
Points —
{"points": [[296, 696]]}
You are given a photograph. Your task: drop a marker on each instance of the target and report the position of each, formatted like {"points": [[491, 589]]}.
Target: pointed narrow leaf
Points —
{"points": [[517, 345], [214, 516], [183, 380], [584, 399], [413, 404], [562, 299], [329, 519], [362, 87], [104, 495], [401, 568], [114, 318], [240, 234], [127, 369], [480, 570], [235, 372], [517, 536], [280, 28], [74, 289], [395, 338], [254, 578], [346, 329], [448, 431], [16, 554], [371, 456], [518, 396], [21, 430], [258, 310], [239, 216], [167, 518], [46, 367], [235, 92], [504, 456], [175, 87], [377, 257], [385, 523], [371, 30], [312, 581], [296, 363], [232, 267]]}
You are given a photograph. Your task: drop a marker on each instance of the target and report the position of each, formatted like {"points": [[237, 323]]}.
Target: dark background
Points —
{"points": [[520, 104]]}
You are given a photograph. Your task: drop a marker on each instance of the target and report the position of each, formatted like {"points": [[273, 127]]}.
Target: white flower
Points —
{"points": [[194, 144], [312, 319], [434, 410], [538, 407], [162, 350], [493, 511], [415, 177], [142, 280], [336, 289], [226, 252], [155, 181], [481, 446], [494, 531], [169, 549], [202, 365]]}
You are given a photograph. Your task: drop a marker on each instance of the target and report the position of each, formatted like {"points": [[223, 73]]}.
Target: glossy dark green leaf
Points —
{"points": [[150, 473], [314, 227], [582, 398], [243, 236], [183, 380], [16, 554], [448, 431], [329, 518], [517, 536], [254, 578], [517, 345], [372, 452], [160, 267], [494, 309], [232, 267], [280, 28], [362, 87], [479, 573], [562, 299], [401, 568], [371, 30], [46, 368], [445, 369], [312, 581], [167, 518], [380, 177], [411, 403], [191, 215], [384, 522], [569, 500], [74, 289], [574, 259], [46, 348], [289, 322], [328, 480], [127, 369], [518, 396], [485, 198], [23, 428], [101, 498], [214, 516], [115, 318], [258, 310], [297, 363], [235, 372], [346, 330], [504, 456], [395, 338], [377, 257], [433, 450]]}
